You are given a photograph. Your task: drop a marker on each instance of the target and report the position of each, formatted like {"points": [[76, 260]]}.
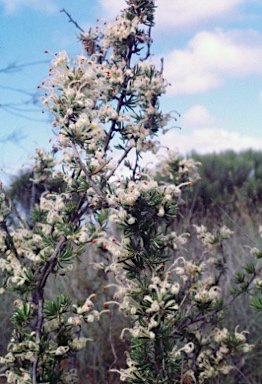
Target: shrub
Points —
{"points": [[109, 98]]}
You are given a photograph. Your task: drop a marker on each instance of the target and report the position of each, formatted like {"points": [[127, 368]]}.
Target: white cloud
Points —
{"points": [[202, 140], [111, 8], [12, 6], [172, 14], [198, 116], [186, 13], [203, 133], [206, 140], [211, 57]]}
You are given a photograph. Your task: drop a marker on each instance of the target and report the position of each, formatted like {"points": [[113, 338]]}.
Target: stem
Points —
{"points": [[71, 20], [112, 343], [84, 169], [10, 239], [38, 298], [119, 162], [242, 374], [22, 221]]}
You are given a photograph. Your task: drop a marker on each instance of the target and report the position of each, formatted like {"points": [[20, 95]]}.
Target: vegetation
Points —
{"points": [[104, 263]]}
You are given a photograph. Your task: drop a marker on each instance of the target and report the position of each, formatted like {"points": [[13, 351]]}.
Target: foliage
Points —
{"points": [[106, 108], [229, 180]]}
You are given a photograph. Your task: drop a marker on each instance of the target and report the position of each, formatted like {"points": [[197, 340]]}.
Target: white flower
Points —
{"points": [[188, 348], [214, 293], [175, 288], [161, 212], [240, 335], [62, 350], [247, 347], [74, 320], [221, 335], [78, 343], [155, 307], [131, 220]]}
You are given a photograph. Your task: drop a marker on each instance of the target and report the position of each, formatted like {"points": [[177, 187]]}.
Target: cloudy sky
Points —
{"points": [[212, 57]]}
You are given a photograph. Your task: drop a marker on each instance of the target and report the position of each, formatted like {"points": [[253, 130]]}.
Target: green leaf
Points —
{"points": [[55, 308], [256, 303], [250, 268]]}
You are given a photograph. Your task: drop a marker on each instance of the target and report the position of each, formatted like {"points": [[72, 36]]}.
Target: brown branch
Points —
{"points": [[12, 67], [109, 135], [38, 299], [72, 21], [84, 169], [10, 239], [112, 343], [162, 65], [22, 221], [50, 264], [127, 150], [149, 42], [135, 167]]}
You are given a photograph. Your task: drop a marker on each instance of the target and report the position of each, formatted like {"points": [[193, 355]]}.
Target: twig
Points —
{"points": [[14, 67], [22, 221], [242, 374], [112, 344], [135, 167], [127, 150], [72, 21], [10, 239], [109, 135], [162, 65], [149, 42], [50, 264], [11, 112], [83, 167], [233, 221]]}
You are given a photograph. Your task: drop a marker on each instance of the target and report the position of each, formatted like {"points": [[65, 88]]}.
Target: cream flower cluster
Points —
{"points": [[85, 313], [121, 30], [82, 84], [5, 206], [183, 169], [18, 274], [219, 347], [212, 241]]}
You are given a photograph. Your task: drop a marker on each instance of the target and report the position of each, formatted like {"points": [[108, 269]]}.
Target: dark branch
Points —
{"points": [[71, 20]]}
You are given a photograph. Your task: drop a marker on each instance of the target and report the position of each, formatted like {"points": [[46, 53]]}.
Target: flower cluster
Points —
{"points": [[5, 207], [212, 241]]}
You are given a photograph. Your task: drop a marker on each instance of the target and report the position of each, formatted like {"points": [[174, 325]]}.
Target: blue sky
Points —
{"points": [[213, 58]]}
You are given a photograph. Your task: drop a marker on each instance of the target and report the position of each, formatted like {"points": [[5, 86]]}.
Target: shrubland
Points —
{"points": [[109, 277]]}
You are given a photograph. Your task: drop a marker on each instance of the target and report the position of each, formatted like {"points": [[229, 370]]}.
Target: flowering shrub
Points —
{"points": [[106, 112]]}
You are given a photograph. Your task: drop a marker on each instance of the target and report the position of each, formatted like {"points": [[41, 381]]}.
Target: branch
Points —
{"points": [[10, 239], [112, 344], [135, 167], [22, 221], [127, 150], [72, 21], [39, 299], [149, 42], [83, 167], [109, 135], [17, 67], [162, 65], [242, 374], [50, 264]]}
